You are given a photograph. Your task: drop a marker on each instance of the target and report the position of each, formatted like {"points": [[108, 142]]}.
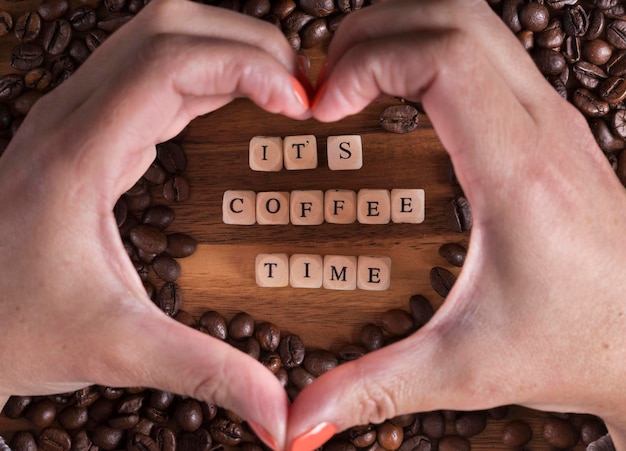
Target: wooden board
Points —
{"points": [[220, 276]]}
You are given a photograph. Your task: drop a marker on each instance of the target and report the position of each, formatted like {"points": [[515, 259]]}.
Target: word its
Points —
{"points": [[333, 272], [271, 154], [313, 207]]}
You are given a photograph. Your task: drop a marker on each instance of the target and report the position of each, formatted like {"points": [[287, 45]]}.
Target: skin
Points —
{"points": [[535, 318]]}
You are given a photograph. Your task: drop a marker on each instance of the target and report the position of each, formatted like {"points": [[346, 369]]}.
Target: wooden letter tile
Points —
{"points": [[239, 207], [272, 270], [266, 153], [374, 206], [340, 206], [407, 206], [345, 153], [300, 152], [340, 272], [374, 273], [306, 271], [272, 208], [307, 207]]}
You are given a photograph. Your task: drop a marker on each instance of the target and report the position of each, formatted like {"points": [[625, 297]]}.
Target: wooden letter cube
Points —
{"points": [[307, 207], [407, 206], [306, 271], [340, 206], [239, 207], [266, 153], [272, 270], [340, 272], [374, 206], [272, 208], [300, 152], [373, 273], [345, 153]]}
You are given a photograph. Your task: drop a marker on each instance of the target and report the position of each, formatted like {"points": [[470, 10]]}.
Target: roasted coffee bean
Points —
{"points": [[597, 25], [176, 189], [468, 424], [214, 324], [589, 75], [155, 174], [417, 443], [26, 100], [188, 414], [526, 38], [618, 123], [171, 157], [51, 10], [347, 6], [95, 38], [159, 216], [57, 37], [115, 5], [613, 90], [113, 22], [185, 318], [454, 443], [6, 23], [534, 16], [442, 281], [124, 422], [130, 403], [516, 433], [180, 245], [454, 253], [572, 51], [282, 376], [597, 52], [389, 436], [498, 413], [510, 14], [83, 18], [101, 409], [350, 352], [38, 78], [28, 27], [199, 440], [617, 64], [551, 37], [399, 119], [166, 268], [271, 361], [616, 33], [73, 417], [589, 104], [421, 310], [225, 431], [434, 424], [169, 298], [41, 413], [82, 442], [23, 441], [294, 41], [268, 336], [592, 429], [371, 337], [560, 433], [61, 68], [166, 439], [148, 239], [256, 8], [144, 427], [397, 322], [106, 437], [16, 406], [241, 326], [335, 20], [26, 57], [605, 4], [362, 436], [293, 23], [300, 377], [336, 444], [282, 8], [604, 136], [575, 21], [459, 214], [5, 117], [291, 350], [11, 86], [155, 415], [54, 439], [141, 442], [548, 61], [318, 8], [78, 50], [558, 4], [314, 34], [161, 400], [319, 361], [249, 346]]}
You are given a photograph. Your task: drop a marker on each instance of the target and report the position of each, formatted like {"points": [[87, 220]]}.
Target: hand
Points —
{"points": [[536, 316], [75, 312]]}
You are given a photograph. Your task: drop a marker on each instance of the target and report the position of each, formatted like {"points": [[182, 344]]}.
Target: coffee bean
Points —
{"points": [[362, 436], [73, 417], [314, 34], [225, 431], [115, 5], [319, 361], [166, 439], [592, 429], [560, 433], [166, 268], [169, 298], [318, 8], [26, 101], [249, 346], [78, 50], [130, 404], [589, 104], [294, 41], [347, 6], [548, 61], [468, 424], [54, 439], [527, 39], [268, 336], [176, 189], [575, 21], [417, 443], [171, 157], [61, 68], [421, 310], [293, 23], [291, 350], [442, 281], [256, 8], [113, 22], [616, 33], [41, 413], [142, 442], [399, 119], [124, 422], [144, 427], [282, 8], [597, 52], [23, 441], [459, 214], [51, 10], [188, 414], [57, 37], [454, 443], [300, 377], [510, 14], [454, 253], [11, 86], [106, 437], [534, 16], [148, 239], [552, 36], [28, 27], [604, 136], [95, 38], [559, 4], [605, 4], [156, 416], [617, 64], [516, 433], [397, 322], [350, 352], [214, 324], [271, 361], [38, 78], [86, 396], [16, 406], [589, 75], [241, 326], [389, 436], [371, 337], [613, 90], [26, 57]]}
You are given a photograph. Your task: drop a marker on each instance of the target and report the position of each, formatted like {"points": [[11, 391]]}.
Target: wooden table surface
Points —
{"points": [[220, 275]]}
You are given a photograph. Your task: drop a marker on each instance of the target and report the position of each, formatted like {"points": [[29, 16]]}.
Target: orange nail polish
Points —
{"points": [[314, 438], [300, 92], [318, 95], [263, 435]]}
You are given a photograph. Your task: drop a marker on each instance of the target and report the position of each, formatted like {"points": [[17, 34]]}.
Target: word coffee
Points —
{"points": [[313, 207], [333, 272]]}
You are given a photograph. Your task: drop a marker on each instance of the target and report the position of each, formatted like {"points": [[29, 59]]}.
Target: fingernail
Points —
{"points": [[321, 77], [263, 435], [314, 438], [318, 95], [300, 92]]}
